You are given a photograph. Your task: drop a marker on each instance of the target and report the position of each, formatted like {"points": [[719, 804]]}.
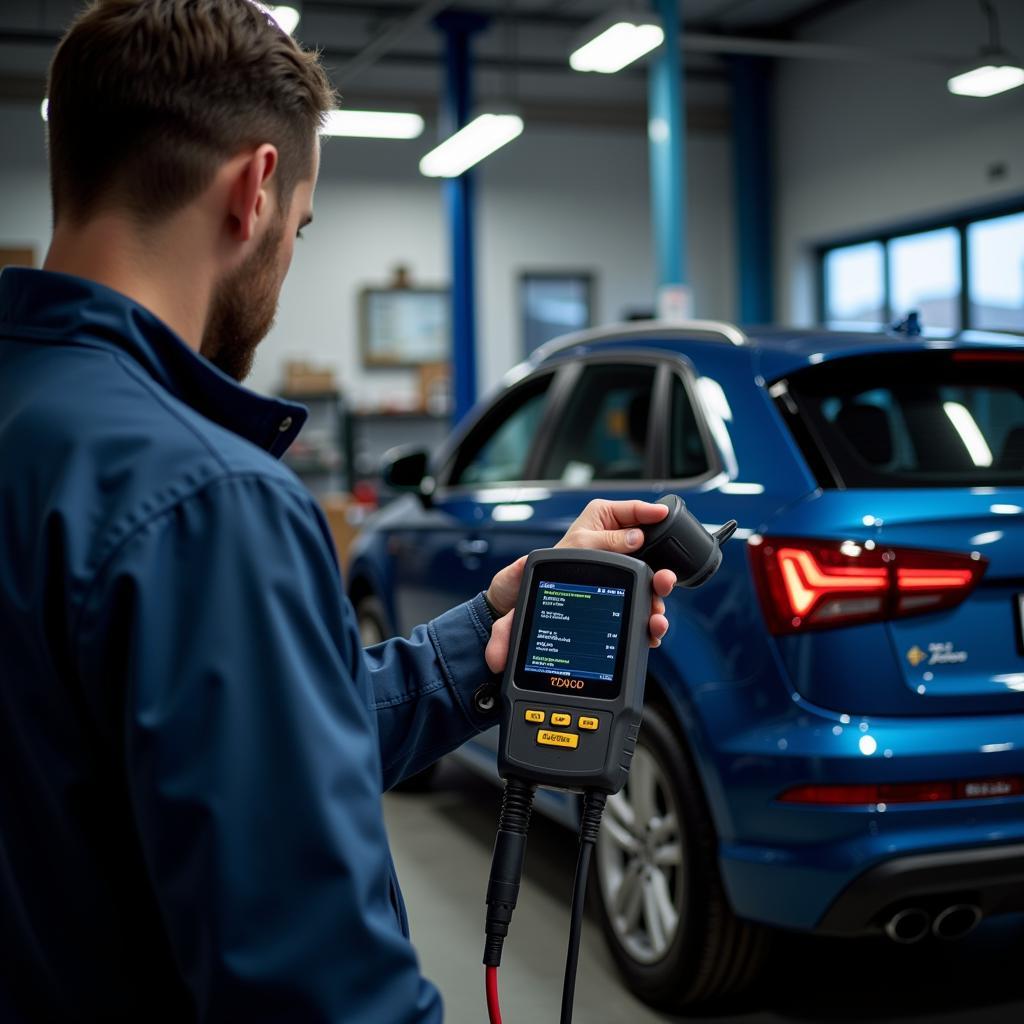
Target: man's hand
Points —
{"points": [[605, 526]]}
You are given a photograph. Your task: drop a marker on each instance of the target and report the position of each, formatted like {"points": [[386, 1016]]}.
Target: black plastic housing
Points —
{"points": [[602, 758], [680, 543]]}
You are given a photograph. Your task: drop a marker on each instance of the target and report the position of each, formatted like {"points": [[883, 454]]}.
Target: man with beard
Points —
{"points": [[193, 745]]}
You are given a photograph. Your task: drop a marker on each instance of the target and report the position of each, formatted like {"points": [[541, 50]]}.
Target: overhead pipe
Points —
{"points": [[388, 39]]}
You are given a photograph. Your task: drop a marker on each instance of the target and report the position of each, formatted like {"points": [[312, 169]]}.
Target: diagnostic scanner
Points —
{"points": [[573, 691], [572, 699]]}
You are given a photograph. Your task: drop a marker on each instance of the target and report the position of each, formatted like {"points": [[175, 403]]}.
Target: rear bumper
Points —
{"points": [[836, 869], [991, 877]]}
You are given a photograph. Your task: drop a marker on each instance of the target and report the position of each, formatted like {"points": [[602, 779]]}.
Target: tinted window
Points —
{"points": [[603, 435], [924, 419], [687, 456], [499, 448]]}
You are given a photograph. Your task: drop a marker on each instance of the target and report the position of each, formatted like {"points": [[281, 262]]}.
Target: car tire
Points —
{"points": [[374, 629], [660, 897], [372, 620]]}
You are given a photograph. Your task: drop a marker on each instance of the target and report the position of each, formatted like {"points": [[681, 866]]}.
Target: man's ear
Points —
{"points": [[247, 199]]}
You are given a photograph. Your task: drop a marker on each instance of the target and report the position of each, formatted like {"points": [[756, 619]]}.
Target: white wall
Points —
{"points": [[24, 190], [867, 145], [555, 199]]}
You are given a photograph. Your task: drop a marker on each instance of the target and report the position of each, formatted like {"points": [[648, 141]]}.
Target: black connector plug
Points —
{"points": [[680, 543], [507, 865]]}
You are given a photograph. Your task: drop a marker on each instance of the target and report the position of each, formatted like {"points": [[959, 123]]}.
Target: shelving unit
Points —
{"points": [[374, 433], [321, 455]]}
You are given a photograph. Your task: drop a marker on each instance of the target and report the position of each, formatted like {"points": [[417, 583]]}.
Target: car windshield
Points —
{"points": [[921, 419]]}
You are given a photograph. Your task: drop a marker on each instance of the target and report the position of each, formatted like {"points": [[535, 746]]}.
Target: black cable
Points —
{"points": [[593, 808], [507, 865]]}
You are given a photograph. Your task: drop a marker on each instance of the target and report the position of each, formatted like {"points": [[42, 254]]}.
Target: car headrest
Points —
{"points": [[637, 416], [1012, 455], [866, 428]]}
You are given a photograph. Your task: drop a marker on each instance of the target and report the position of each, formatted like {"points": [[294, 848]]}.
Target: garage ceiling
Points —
{"points": [[522, 56]]}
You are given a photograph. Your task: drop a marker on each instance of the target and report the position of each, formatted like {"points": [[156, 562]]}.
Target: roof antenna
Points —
{"points": [[910, 326]]}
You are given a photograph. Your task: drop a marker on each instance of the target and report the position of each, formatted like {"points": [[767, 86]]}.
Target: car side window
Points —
{"points": [[688, 456], [499, 448], [603, 434]]}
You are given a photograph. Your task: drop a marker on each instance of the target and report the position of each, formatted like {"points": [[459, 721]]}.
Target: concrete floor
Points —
{"points": [[442, 843]]}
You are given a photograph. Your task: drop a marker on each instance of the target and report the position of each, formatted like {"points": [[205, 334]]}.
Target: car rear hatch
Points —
{"points": [[898, 587]]}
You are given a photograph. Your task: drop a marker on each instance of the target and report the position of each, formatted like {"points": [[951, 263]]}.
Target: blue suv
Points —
{"points": [[834, 733]]}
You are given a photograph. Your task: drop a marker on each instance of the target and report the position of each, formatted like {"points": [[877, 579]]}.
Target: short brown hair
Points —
{"points": [[147, 97]]}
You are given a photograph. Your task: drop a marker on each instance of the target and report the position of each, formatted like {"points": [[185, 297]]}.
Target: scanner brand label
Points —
{"points": [[564, 683]]}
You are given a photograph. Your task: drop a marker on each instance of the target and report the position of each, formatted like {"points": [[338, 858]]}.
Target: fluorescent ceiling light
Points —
{"points": [[987, 80], [372, 124], [480, 138], [286, 15], [970, 433], [44, 110], [616, 40]]}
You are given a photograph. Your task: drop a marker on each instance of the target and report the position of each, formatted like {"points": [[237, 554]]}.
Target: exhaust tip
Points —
{"points": [[956, 921], [908, 926]]}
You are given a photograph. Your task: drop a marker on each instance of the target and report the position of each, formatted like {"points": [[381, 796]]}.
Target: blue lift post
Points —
{"points": [[458, 28], [752, 183], [667, 139]]}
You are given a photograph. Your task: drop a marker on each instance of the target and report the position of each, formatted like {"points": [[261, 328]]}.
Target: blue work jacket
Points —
{"points": [[193, 744]]}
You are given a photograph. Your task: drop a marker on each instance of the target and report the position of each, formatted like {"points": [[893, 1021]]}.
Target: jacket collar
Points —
{"points": [[44, 306]]}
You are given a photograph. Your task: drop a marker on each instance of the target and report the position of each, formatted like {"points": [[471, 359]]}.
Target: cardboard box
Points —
{"points": [[435, 386], [345, 518], [302, 378]]}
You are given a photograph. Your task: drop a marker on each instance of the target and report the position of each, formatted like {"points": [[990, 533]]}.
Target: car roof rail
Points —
{"points": [[709, 330]]}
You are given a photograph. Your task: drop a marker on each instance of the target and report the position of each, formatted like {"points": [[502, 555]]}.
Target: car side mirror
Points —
{"points": [[405, 469]]}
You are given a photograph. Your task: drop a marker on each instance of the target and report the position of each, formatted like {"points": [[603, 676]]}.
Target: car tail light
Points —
{"points": [[814, 584], [904, 792], [987, 356]]}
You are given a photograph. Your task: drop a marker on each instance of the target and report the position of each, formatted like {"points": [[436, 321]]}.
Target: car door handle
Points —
{"points": [[472, 548]]}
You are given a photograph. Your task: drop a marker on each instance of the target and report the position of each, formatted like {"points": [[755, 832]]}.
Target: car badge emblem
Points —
{"points": [[915, 656]]}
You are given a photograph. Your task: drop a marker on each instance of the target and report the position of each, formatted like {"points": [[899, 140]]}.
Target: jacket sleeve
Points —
{"points": [[424, 689], [252, 762]]}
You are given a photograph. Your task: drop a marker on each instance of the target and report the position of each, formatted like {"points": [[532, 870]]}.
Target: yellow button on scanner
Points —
{"points": [[550, 738], [590, 724], [535, 716], [559, 719]]}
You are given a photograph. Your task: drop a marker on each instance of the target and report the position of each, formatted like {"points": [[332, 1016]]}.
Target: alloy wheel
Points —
{"points": [[641, 860]]}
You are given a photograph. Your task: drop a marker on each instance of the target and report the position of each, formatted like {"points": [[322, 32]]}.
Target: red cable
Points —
{"points": [[493, 1009]]}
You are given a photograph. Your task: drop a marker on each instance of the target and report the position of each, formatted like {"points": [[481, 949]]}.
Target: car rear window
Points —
{"points": [[920, 419]]}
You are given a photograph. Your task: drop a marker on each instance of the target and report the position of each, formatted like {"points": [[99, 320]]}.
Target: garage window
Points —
{"points": [[855, 284], [603, 435], [964, 273], [924, 274], [996, 273]]}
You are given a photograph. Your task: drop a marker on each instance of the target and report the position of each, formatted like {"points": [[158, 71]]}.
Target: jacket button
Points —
{"points": [[285, 424], [485, 700]]}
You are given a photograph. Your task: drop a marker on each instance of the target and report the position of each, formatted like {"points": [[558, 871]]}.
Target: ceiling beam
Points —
{"points": [[799, 49], [385, 41], [335, 56], [822, 9], [628, 116], [693, 42]]}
